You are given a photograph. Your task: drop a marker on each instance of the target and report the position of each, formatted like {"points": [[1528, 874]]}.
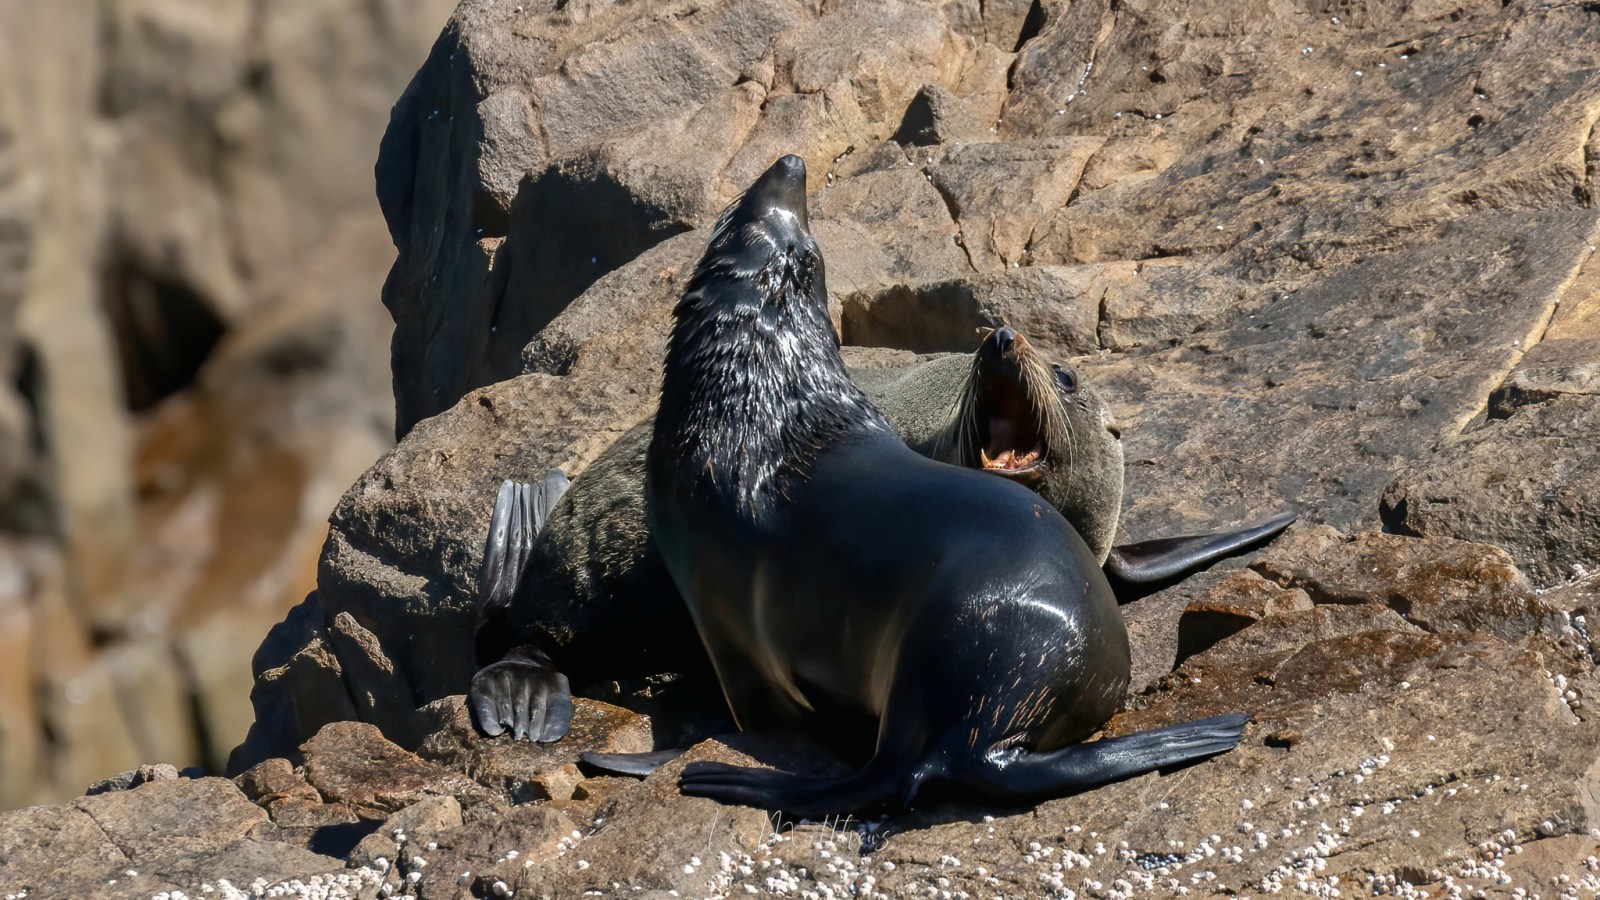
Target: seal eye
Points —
{"points": [[1066, 380]]}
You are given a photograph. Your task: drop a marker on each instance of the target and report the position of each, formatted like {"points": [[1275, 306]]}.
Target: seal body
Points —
{"points": [[835, 577], [593, 600]]}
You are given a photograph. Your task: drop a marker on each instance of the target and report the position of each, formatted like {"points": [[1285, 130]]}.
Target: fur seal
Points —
{"points": [[841, 582]]}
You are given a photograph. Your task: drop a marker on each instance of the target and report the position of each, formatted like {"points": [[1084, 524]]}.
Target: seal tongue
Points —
{"points": [[781, 187]]}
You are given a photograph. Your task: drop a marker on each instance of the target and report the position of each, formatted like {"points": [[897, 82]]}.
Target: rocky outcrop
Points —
{"points": [[1287, 296], [1395, 745], [1222, 206], [192, 363], [1523, 478]]}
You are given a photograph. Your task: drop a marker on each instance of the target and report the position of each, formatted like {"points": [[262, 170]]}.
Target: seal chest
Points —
{"points": [[830, 571]]}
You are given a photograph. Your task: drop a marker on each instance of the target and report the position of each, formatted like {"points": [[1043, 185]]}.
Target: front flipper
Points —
{"points": [[638, 765], [518, 687], [520, 511], [522, 692], [1152, 561], [1024, 776]]}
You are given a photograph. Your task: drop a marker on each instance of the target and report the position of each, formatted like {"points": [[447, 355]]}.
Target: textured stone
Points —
{"points": [[521, 771], [1439, 584], [352, 763], [161, 836], [1237, 601], [275, 779], [1525, 483]]}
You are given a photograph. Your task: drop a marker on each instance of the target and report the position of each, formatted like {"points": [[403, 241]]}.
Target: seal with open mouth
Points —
{"points": [[841, 582]]}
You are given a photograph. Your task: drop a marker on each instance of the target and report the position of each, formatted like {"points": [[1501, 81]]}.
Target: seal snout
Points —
{"points": [[782, 188], [1011, 440], [1005, 341]]}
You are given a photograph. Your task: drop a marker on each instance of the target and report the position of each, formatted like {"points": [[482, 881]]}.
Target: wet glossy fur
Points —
{"points": [[833, 574]]}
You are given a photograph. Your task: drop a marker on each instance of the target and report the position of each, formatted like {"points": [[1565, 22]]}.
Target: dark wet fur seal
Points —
{"points": [[580, 579], [842, 583]]}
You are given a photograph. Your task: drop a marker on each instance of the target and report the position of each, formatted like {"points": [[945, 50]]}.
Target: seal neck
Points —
{"points": [[754, 387]]}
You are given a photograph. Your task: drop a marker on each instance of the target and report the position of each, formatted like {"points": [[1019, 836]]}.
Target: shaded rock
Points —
{"points": [[299, 688], [418, 825], [1153, 625], [936, 116], [1237, 601], [1058, 303], [132, 779], [275, 779], [1525, 483], [522, 771], [382, 695]]}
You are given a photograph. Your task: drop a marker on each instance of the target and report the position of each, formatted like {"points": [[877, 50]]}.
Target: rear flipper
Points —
{"points": [[878, 784], [1164, 558], [524, 693], [519, 689], [1017, 776], [1028, 777], [638, 765]]}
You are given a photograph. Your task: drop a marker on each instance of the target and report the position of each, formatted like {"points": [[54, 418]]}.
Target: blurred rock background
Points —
{"points": [[193, 358]]}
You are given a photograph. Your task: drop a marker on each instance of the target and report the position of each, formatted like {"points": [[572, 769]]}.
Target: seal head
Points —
{"points": [[755, 384], [1037, 423]]}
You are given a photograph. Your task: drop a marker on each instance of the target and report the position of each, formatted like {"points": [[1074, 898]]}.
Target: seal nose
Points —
{"points": [[1004, 337], [781, 187]]}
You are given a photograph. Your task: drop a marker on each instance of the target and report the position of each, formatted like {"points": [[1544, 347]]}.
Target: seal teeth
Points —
{"points": [[1010, 460]]}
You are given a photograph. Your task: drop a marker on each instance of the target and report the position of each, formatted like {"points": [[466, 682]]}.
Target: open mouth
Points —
{"points": [[1008, 433]]}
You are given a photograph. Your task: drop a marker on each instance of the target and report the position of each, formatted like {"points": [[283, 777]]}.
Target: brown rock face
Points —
{"points": [[1219, 195], [192, 366]]}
